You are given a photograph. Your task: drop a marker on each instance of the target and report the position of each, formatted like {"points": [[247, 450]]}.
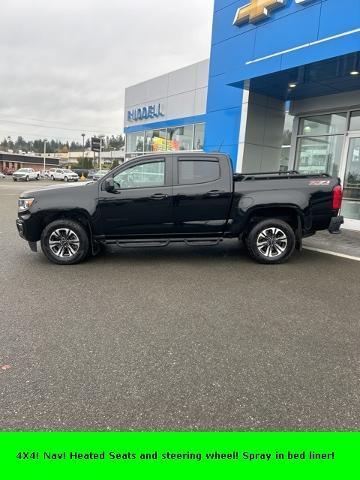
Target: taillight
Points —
{"points": [[337, 197]]}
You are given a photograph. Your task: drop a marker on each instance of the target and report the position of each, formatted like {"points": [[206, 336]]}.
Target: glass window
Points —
{"points": [[351, 204], [199, 136], [355, 120], [198, 171], [150, 174], [180, 138], [135, 142], [155, 140], [316, 155], [286, 141], [323, 124]]}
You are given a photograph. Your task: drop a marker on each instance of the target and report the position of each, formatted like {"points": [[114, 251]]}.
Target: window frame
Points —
{"points": [[141, 161], [181, 158]]}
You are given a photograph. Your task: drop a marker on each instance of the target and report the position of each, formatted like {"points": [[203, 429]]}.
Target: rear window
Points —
{"points": [[198, 171]]}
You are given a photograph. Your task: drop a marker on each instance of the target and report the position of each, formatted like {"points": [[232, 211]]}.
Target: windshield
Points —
{"points": [[24, 170]]}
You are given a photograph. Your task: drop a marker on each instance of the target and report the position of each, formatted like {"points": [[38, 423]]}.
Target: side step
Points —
{"points": [[191, 242]]}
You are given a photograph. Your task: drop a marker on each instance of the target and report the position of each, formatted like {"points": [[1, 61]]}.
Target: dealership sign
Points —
{"points": [[144, 113], [258, 10]]}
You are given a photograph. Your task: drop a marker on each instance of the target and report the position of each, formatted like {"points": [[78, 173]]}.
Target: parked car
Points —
{"points": [[193, 198], [26, 174], [91, 173], [44, 174], [63, 174], [81, 172], [99, 174], [2, 176]]}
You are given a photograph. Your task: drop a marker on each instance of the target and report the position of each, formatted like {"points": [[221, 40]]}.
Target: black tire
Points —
{"points": [[15, 179], [78, 242], [66, 179], [52, 178], [271, 241], [27, 178]]}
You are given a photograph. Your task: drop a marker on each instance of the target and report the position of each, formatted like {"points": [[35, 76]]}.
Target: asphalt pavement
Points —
{"points": [[176, 339]]}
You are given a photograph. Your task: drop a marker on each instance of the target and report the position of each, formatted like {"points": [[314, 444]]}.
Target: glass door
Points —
{"points": [[351, 203]]}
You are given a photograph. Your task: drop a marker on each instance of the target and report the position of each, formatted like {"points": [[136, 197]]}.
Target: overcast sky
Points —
{"points": [[66, 63]]}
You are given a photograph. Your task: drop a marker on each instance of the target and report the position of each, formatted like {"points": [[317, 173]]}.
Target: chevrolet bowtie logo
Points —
{"points": [[256, 10]]}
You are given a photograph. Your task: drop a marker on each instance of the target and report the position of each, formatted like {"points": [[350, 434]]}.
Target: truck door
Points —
{"points": [[202, 194], [141, 204]]}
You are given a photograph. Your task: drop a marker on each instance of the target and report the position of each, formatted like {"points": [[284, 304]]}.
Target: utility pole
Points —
{"points": [[44, 155], [83, 137]]}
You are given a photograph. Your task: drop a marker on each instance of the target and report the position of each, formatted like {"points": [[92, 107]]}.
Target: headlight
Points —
{"points": [[25, 204]]}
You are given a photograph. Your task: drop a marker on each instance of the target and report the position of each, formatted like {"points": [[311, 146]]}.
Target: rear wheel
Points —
{"points": [[271, 241], [65, 242], [15, 179]]}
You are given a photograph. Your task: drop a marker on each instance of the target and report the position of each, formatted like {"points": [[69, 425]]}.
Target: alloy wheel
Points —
{"points": [[272, 242], [63, 242]]}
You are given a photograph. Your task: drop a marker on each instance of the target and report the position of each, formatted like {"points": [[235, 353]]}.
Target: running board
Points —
{"points": [[191, 242]]}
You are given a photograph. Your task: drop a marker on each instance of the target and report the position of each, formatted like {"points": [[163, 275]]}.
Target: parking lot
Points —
{"points": [[176, 339]]}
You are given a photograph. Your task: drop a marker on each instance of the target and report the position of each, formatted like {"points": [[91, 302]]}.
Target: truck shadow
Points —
{"points": [[231, 251]]}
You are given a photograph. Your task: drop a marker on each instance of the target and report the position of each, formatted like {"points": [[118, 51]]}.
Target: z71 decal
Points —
{"points": [[316, 183]]}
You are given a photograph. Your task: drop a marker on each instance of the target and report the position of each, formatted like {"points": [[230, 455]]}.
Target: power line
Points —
{"points": [[82, 128], [49, 126]]}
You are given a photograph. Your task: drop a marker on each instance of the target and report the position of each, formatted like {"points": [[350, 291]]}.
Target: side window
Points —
{"points": [[150, 174], [198, 171]]}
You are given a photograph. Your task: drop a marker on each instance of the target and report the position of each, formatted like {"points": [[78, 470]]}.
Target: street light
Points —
{"points": [[101, 142], [83, 137], [45, 142]]}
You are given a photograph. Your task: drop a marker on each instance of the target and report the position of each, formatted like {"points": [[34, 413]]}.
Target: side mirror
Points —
{"points": [[109, 184]]}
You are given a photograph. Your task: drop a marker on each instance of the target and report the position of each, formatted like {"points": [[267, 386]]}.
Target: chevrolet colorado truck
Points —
{"points": [[194, 198]]}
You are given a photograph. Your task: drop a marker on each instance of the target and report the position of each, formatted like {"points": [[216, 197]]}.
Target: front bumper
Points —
{"points": [[21, 229], [335, 224]]}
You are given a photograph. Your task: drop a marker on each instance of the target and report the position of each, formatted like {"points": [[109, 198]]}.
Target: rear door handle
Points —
{"points": [[158, 196], [214, 193]]}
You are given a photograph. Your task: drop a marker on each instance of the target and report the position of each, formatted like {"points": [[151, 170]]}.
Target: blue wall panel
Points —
{"points": [[237, 53]]}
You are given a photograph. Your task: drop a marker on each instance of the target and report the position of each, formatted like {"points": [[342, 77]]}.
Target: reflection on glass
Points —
{"points": [[351, 204], [199, 136], [187, 137], [155, 140], [355, 120], [135, 142], [180, 138], [323, 124], [317, 155], [144, 175]]}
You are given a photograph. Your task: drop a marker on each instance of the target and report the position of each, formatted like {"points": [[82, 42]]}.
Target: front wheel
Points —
{"points": [[65, 242], [271, 241], [66, 179], [27, 178], [52, 177]]}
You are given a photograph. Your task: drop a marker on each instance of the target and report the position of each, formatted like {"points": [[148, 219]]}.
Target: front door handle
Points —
{"points": [[158, 196], [214, 193]]}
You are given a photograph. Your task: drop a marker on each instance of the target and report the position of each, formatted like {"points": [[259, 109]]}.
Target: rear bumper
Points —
{"points": [[335, 224]]}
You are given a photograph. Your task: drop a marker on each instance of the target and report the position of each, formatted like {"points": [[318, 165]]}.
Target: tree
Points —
{"points": [[114, 164]]}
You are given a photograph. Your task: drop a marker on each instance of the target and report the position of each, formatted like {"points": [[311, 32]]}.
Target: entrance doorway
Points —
{"points": [[351, 175]]}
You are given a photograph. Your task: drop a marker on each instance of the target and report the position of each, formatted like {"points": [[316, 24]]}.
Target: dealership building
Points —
{"points": [[281, 91]]}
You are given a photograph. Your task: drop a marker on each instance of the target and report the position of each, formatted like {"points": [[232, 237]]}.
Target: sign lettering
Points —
{"points": [[144, 113], [258, 10]]}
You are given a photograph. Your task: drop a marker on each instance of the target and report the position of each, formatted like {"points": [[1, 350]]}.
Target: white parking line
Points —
{"points": [[335, 254]]}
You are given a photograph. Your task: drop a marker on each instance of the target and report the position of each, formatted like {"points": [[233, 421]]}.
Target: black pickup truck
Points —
{"points": [[184, 197]]}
